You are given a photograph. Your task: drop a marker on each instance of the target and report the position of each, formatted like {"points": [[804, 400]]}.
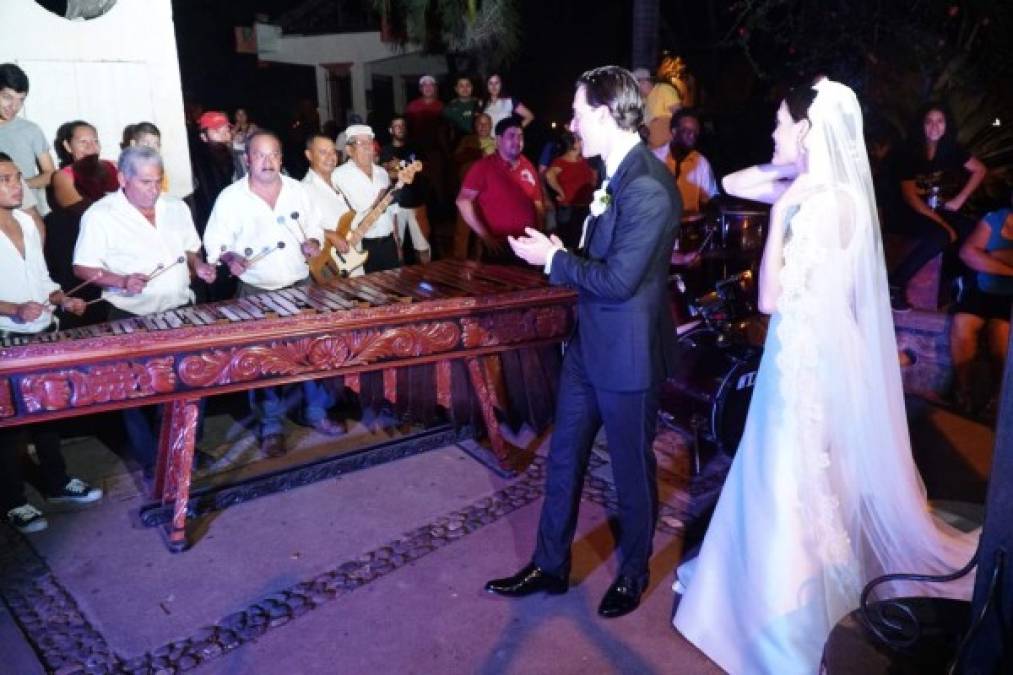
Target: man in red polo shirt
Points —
{"points": [[501, 194]]}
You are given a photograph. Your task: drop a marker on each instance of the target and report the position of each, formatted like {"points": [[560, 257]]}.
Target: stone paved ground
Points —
{"points": [[376, 571]]}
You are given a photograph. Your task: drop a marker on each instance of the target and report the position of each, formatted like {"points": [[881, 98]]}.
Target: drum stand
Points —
{"points": [[697, 423]]}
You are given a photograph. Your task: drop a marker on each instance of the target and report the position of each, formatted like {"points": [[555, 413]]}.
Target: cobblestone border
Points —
{"points": [[67, 643], [47, 614]]}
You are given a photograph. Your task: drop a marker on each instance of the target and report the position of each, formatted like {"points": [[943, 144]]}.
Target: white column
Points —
{"points": [[358, 73], [323, 95]]}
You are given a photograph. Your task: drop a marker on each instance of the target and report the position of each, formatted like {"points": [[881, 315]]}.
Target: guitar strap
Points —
{"points": [[343, 196]]}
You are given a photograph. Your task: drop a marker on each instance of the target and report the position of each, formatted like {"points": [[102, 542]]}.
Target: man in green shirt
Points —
{"points": [[461, 110]]}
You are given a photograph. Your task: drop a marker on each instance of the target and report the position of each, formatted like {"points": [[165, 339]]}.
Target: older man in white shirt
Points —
{"points": [[264, 227], [140, 246], [362, 182], [28, 300]]}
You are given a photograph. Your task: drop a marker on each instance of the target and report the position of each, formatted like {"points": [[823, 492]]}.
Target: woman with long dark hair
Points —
{"points": [[937, 176], [499, 106], [83, 179]]}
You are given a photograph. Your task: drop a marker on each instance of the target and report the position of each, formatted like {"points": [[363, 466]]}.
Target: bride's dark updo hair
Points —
{"points": [[798, 100]]}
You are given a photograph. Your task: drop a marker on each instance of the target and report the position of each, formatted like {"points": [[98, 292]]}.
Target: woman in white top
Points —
{"points": [[498, 106]]}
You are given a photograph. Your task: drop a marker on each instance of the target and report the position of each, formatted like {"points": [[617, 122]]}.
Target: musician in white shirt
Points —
{"points": [[140, 246], [28, 300], [132, 240], [265, 227], [266, 216], [323, 158], [362, 182]]}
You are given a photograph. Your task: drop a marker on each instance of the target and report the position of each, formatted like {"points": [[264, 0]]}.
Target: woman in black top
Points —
{"points": [[936, 178]]}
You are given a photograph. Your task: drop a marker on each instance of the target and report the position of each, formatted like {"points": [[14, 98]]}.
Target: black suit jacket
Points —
{"points": [[624, 328]]}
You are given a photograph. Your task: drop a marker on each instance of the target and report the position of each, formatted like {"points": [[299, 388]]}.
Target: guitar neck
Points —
{"points": [[371, 217]]}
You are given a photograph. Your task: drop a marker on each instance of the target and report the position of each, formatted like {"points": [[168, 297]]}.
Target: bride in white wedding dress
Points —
{"points": [[823, 494]]}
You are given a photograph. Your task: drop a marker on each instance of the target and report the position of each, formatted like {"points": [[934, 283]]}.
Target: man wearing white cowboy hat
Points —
{"points": [[361, 181]]}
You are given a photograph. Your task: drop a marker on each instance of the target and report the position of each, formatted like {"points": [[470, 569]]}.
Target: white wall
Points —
{"points": [[364, 52], [111, 71]]}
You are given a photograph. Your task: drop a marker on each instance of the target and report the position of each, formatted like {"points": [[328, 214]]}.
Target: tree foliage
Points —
{"points": [[897, 54], [488, 30]]}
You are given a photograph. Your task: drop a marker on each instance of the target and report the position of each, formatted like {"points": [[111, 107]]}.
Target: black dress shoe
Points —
{"points": [[622, 597], [531, 579]]}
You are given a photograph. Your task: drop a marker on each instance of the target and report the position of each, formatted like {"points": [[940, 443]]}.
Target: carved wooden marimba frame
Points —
{"points": [[499, 323]]}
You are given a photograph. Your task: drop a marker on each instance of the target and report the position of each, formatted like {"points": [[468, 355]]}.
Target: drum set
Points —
{"points": [[720, 334]]}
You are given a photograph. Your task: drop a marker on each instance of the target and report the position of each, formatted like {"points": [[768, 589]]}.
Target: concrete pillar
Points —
{"points": [[323, 95], [359, 85]]}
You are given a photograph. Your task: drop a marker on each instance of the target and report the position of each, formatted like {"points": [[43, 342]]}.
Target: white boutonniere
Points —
{"points": [[602, 200]]}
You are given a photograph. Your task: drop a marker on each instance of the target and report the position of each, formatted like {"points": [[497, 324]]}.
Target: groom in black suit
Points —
{"points": [[622, 347]]}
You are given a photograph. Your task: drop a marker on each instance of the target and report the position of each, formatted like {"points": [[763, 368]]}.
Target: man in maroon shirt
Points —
{"points": [[425, 113], [501, 194]]}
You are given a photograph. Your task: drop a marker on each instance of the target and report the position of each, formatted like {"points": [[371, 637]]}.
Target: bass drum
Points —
{"points": [[710, 393]]}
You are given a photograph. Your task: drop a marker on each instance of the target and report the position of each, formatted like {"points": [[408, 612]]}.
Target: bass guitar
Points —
{"points": [[352, 228]]}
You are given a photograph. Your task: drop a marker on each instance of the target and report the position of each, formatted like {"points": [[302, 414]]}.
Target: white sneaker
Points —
{"points": [[26, 518], [76, 491]]}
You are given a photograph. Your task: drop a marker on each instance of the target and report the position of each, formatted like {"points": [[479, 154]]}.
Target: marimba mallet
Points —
{"points": [[295, 217], [162, 269], [92, 279], [264, 252]]}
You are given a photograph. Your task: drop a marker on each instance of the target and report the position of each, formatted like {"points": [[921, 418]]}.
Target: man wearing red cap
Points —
{"points": [[214, 167]]}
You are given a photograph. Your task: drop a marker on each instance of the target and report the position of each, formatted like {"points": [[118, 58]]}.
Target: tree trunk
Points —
{"points": [[645, 34]]}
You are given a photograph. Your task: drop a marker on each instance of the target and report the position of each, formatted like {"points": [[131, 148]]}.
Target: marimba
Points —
{"points": [[414, 326]]}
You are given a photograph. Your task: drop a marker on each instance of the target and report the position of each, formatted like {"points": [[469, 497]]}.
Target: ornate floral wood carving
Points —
{"points": [[93, 385], [327, 352], [513, 327]]}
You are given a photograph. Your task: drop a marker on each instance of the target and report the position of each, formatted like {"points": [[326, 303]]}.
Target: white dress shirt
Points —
{"points": [[115, 236], [362, 193], [25, 279], [327, 200], [241, 220]]}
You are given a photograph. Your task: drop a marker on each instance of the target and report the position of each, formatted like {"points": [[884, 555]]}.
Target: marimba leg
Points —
{"points": [[175, 464], [484, 382]]}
